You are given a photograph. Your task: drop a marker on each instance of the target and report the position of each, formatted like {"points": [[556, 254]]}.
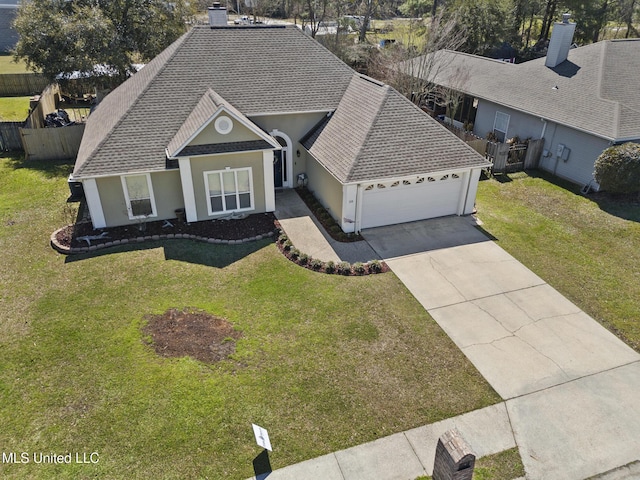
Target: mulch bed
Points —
{"points": [[69, 239], [191, 332], [251, 226]]}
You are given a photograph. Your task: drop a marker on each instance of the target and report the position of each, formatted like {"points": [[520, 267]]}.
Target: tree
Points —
{"points": [[59, 37], [549, 14], [416, 8], [487, 23], [591, 18], [412, 71], [617, 169], [626, 10]]}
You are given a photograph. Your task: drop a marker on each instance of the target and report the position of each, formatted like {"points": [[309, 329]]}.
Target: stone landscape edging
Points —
{"points": [[280, 241], [63, 249]]}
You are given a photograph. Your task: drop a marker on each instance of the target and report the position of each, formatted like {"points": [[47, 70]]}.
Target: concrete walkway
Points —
{"points": [[571, 388], [308, 236]]}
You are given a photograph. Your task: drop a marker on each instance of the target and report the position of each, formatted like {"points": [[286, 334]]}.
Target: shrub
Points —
{"points": [[294, 253], [375, 266], [315, 264], [344, 268], [282, 238], [287, 245], [303, 259], [617, 169], [359, 268], [330, 266]]}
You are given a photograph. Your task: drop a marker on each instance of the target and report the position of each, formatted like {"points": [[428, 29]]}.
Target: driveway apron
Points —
{"points": [[570, 386]]}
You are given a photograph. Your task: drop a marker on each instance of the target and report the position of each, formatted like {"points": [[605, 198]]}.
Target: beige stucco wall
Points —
{"points": [[296, 126], [585, 148], [325, 187], [209, 135], [199, 165], [167, 192]]}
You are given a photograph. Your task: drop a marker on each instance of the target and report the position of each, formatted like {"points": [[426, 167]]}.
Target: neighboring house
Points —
{"points": [[580, 100], [228, 114]]}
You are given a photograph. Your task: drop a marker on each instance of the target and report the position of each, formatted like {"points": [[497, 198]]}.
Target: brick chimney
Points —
{"points": [[561, 40], [217, 15]]}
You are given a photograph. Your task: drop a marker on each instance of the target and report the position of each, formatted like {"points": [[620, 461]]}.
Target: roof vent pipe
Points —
{"points": [[560, 43], [217, 15]]}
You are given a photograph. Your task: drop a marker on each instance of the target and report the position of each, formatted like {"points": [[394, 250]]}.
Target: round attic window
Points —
{"points": [[223, 125]]}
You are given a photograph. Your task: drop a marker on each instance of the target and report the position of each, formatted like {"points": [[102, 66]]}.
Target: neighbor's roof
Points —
{"points": [[258, 70], [377, 133], [598, 86]]}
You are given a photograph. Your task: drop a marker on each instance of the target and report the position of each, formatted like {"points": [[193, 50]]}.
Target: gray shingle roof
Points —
{"points": [[598, 86], [258, 70], [376, 133]]}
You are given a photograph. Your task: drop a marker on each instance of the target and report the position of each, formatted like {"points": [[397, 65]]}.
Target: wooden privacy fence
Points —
{"points": [[10, 136], [21, 84], [479, 145], [49, 102], [52, 143], [49, 143], [515, 157]]}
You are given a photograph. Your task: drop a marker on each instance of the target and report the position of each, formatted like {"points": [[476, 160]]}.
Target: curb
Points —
{"points": [[137, 240]]}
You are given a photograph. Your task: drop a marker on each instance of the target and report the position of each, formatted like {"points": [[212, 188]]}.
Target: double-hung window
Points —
{"points": [[138, 193], [500, 126], [229, 190]]}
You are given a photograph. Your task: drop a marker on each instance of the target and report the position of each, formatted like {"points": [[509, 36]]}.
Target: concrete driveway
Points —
{"points": [[571, 387]]}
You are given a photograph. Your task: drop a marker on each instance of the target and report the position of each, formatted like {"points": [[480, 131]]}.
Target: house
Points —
{"points": [[579, 100], [227, 115]]}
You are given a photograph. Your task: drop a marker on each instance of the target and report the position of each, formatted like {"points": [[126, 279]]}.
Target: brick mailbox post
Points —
{"points": [[454, 458]]}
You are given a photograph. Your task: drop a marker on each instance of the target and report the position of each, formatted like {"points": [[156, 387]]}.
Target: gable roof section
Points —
{"points": [[209, 107], [598, 87], [131, 128], [376, 133]]}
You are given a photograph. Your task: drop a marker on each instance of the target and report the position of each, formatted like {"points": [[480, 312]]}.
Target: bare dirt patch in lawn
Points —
{"points": [[191, 332]]}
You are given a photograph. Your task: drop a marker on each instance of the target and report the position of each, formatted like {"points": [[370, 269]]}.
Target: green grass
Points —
{"points": [[7, 65], [325, 362], [505, 465], [586, 249], [14, 109]]}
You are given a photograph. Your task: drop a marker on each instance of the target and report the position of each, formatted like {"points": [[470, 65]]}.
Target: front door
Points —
{"points": [[280, 174], [279, 168]]}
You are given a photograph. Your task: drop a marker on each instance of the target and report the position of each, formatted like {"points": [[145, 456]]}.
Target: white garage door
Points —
{"points": [[411, 199]]}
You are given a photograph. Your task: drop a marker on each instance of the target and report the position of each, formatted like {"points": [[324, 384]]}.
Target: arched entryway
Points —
{"points": [[282, 161]]}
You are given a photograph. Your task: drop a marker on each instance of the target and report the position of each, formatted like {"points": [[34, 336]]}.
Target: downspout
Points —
{"points": [[466, 194], [358, 208], [544, 141]]}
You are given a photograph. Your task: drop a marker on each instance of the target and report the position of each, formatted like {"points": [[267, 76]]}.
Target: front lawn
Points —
{"points": [[585, 247], [325, 362]]}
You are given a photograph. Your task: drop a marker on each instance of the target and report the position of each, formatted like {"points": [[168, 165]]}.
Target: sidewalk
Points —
{"points": [[406, 455]]}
